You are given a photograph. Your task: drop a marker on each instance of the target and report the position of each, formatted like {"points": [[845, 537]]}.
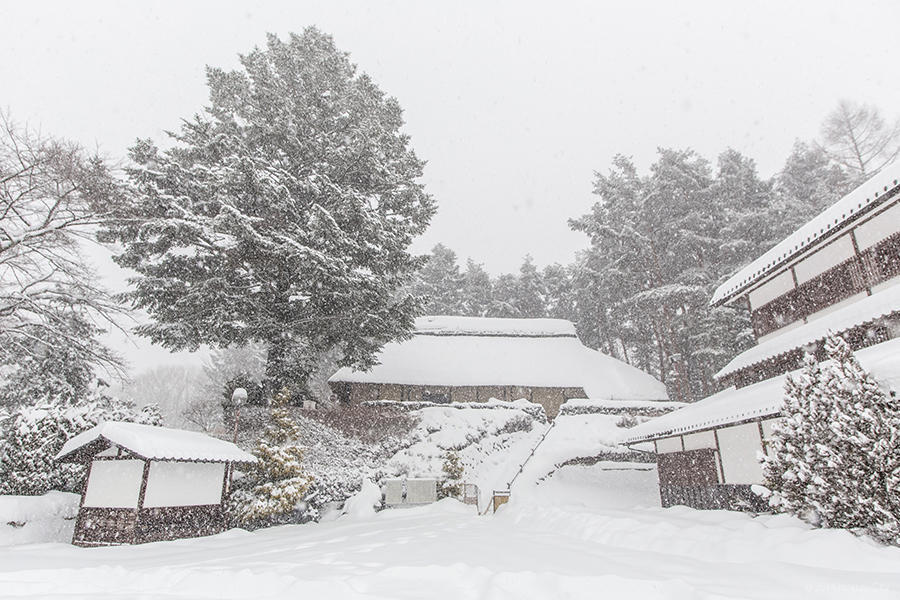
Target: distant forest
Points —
{"points": [[659, 244]]}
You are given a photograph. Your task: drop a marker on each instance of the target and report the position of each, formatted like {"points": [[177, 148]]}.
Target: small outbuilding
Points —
{"points": [[147, 484]]}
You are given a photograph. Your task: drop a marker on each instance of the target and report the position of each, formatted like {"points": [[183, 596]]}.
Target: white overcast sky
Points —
{"points": [[513, 104]]}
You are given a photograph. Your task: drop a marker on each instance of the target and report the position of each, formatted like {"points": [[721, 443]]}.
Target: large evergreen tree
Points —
{"points": [[835, 454], [282, 214]]}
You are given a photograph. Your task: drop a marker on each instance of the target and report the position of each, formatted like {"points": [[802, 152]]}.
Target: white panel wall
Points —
{"points": [[421, 491], [696, 441], [777, 286], [172, 483], [114, 483], [666, 445], [739, 446], [837, 305], [878, 227], [780, 330], [833, 254], [886, 284]]}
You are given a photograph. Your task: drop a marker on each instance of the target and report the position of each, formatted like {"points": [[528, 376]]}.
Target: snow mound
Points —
{"points": [[365, 502], [37, 519]]}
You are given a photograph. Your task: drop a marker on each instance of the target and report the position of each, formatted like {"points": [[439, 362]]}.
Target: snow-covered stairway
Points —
{"points": [[572, 436], [500, 497]]}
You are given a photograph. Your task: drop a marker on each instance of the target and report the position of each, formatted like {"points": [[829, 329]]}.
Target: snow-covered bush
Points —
{"points": [[31, 436], [835, 458], [277, 483]]}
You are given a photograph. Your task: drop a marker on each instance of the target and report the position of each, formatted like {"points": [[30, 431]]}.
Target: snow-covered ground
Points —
{"points": [[570, 531], [570, 538]]}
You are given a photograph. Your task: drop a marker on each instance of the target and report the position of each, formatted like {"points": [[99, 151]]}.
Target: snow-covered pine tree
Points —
{"points": [[835, 457], [282, 214], [531, 293], [477, 290], [277, 483], [439, 283], [452, 481]]}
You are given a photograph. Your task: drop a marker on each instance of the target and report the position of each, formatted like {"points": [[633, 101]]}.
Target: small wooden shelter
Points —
{"points": [[147, 484]]}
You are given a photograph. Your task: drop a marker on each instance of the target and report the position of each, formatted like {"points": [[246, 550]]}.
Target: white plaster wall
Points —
{"points": [[837, 305], [173, 483], [114, 483], [739, 446], [833, 254], [775, 287], [886, 284], [696, 441], [779, 331], [666, 445], [879, 227]]}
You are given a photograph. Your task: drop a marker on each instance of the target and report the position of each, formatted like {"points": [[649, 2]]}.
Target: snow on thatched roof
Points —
{"points": [[758, 400], [447, 325], [825, 226], [876, 306], [501, 352], [158, 443]]}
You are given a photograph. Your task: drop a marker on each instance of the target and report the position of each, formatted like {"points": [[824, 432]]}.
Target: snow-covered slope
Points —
{"points": [[491, 440]]}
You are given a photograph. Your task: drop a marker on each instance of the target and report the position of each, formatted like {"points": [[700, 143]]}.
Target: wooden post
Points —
{"points": [[140, 502]]}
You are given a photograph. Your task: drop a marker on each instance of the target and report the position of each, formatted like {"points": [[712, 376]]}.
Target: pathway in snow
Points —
{"points": [[564, 542]]}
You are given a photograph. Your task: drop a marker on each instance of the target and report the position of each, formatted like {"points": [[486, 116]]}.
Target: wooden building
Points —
{"points": [[146, 484], [470, 359], [839, 273]]}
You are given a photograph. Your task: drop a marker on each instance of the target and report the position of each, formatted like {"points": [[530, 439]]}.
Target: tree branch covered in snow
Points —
{"points": [[52, 198]]}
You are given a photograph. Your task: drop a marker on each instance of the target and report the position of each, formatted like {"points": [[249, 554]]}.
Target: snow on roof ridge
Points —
{"points": [[873, 307], [764, 398], [158, 443], [501, 360], [458, 325], [877, 188]]}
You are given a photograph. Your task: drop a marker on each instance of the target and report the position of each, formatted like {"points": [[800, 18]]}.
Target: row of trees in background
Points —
{"points": [[660, 243]]}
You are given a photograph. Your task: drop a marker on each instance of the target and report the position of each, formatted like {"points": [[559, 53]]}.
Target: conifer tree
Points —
{"points": [[477, 290], [451, 484], [277, 483], [282, 214], [439, 283], [835, 456]]}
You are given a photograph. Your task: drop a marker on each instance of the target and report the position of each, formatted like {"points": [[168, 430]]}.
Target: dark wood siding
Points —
{"points": [[688, 467], [853, 276], [109, 526]]}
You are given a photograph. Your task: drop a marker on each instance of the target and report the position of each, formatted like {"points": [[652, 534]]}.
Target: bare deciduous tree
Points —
{"points": [[858, 137], [52, 196]]}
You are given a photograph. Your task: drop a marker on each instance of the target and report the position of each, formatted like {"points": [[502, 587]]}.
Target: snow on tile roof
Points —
{"points": [[871, 193], [758, 400], [158, 443], [487, 360], [448, 325], [879, 304]]}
